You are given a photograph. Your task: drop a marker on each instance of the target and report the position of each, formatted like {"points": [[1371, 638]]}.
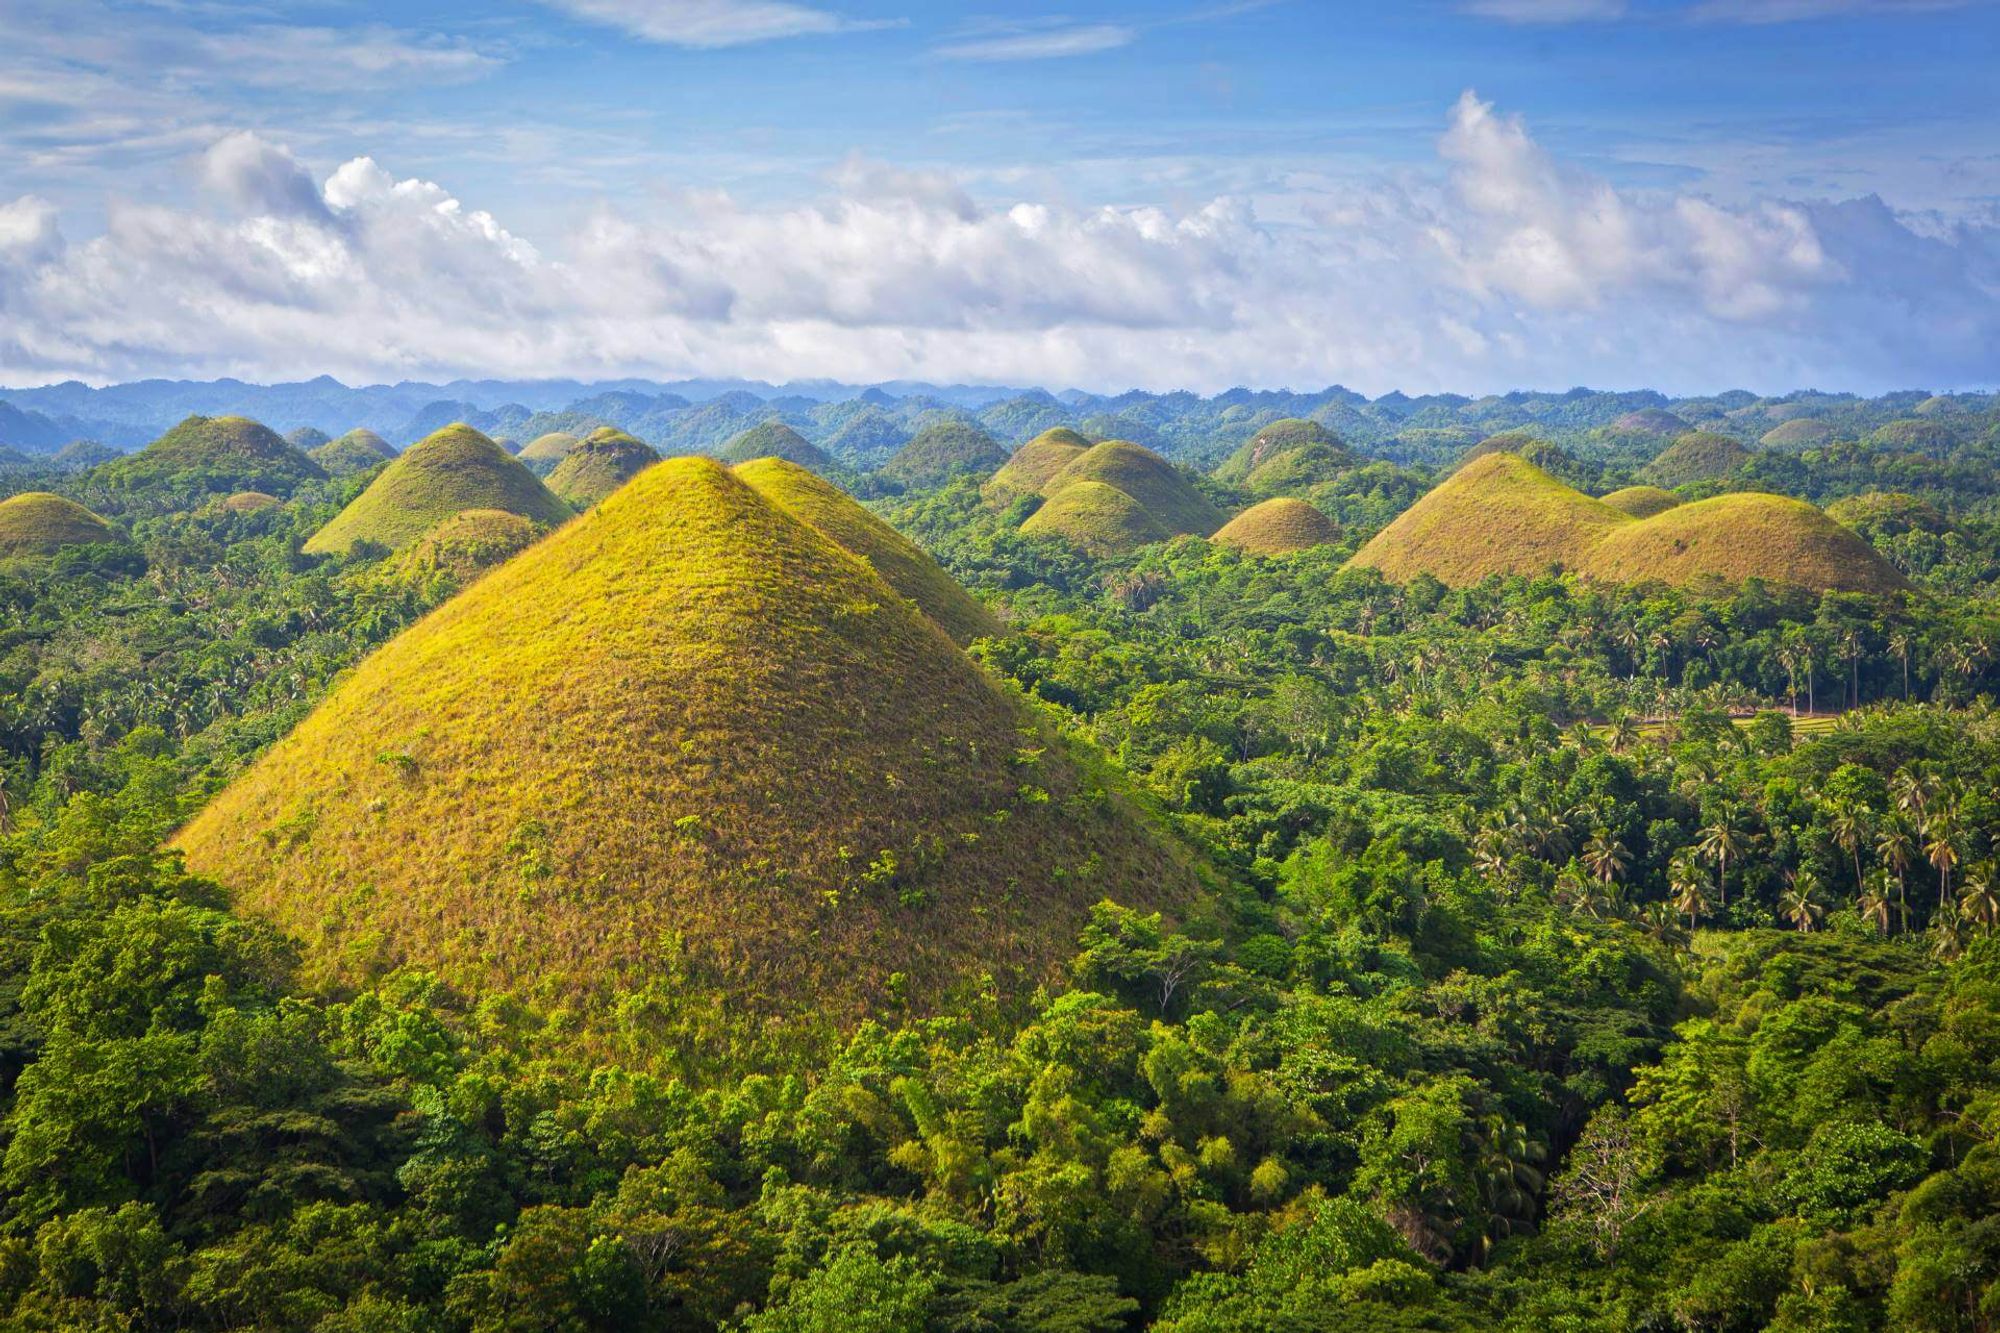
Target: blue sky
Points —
{"points": [[1473, 195]]}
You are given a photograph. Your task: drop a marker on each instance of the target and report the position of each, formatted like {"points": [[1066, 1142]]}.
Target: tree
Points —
{"points": [[1689, 888], [1874, 906], [1898, 852], [1848, 823], [1605, 857], [1721, 842], [1800, 904], [1979, 899]]}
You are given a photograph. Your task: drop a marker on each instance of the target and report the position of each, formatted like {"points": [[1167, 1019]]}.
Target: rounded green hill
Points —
{"points": [[451, 470], [1798, 433], [1921, 435], [1278, 526], [943, 450], [1097, 519], [465, 545], [541, 454], [1642, 501], [1742, 536], [356, 451], [1287, 453], [38, 523], [251, 502], [1499, 514], [1169, 498], [1650, 421], [1033, 464], [307, 438], [219, 455], [775, 439], [1876, 514], [900, 562], [1699, 455], [600, 466], [686, 716]]}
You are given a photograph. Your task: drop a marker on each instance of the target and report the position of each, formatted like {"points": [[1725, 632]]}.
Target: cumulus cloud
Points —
{"points": [[1501, 267]]}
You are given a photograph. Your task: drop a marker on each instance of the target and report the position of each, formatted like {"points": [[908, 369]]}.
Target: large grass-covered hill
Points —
{"points": [[37, 523], [605, 461], [1278, 526], [453, 470], [1028, 472], [686, 740], [219, 455], [946, 448], [1699, 455], [775, 439]]}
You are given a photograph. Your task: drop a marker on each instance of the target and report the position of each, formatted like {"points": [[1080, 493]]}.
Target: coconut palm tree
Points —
{"points": [[1941, 846], [1978, 899], [1874, 904], [1624, 733], [1898, 852], [1800, 905], [1605, 857], [1721, 842], [1690, 888], [1899, 644], [1848, 823]]}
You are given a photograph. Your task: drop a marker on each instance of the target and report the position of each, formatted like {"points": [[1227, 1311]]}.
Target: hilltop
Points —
{"points": [[541, 454], [1798, 433], [945, 449], [1169, 497], [1650, 421], [1096, 519], [452, 470], [216, 454], [605, 461], [1034, 463], [1278, 526], [1287, 455], [1497, 514], [465, 545], [774, 439], [1502, 515], [1699, 455], [683, 740], [251, 502], [1888, 514], [356, 451], [1642, 501], [37, 523], [897, 560]]}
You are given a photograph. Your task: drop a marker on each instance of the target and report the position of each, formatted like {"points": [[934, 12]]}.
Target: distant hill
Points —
{"points": [[900, 562], [1651, 421], [685, 740], [541, 454], [599, 466], [1170, 498], [216, 454], [465, 545], [1097, 519], [1279, 526], [1699, 455], [942, 450], [82, 455], [1642, 501], [867, 435], [1878, 514], [37, 523], [453, 470], [251, 502], [1797, 433], [307, 438], [1502, 515], [356, 451], [1287, 454], [774, 439], [1923, 435], [1032, 466]]}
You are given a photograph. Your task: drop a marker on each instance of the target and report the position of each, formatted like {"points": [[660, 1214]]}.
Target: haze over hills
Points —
{"points": [[687, 711]]}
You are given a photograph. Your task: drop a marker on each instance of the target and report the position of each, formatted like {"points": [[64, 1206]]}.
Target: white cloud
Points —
{"points": [[1502, 267], [1547, 11], [1046, 44], [706, 23]]}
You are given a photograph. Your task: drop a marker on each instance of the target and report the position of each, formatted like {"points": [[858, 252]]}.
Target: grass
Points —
{"points": [[1642, 501], [1699, 455], [1033, 464], [249, 502], [356, 451], [1277, 527], [897, 560], [465, 545], [944, 449], [599, 467], [1799, 433], [1169, 498], [1741, 536], [774, 439], [221, 454], [1498, 514], [1650, 421], [1097, 519], [452, 470], [541, 454], [683, 741], [36, 523], [1313, 448]]}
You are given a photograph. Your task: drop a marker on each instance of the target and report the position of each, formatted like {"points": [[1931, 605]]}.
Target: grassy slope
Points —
{"points": [[1735, 537], [1696, 456], [356, 451], [1278, 527], [1167, 497], [454, 469], [685, 712], [1282, 437], [1642, 501], [599, 468], [900, 562], [541, 454], [774, 439], [230, 453], [38, 523], [943, 450], [1034, 463], [1096, 518], [466, 543], [1497, 514], [249, 502], [1800, 433]]}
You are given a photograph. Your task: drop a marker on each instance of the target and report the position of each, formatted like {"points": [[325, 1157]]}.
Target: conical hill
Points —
{"points": [[452, 470], [1169, 498], [774, 439], [217, 454], [1028, 472], [356, 451], [900, 562], [603, 464], [1279, 526], [685, 740], [36, 523], [1642, 501]]}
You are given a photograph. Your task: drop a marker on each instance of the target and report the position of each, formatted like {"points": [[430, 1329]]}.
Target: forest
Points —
{"points": [[1577, 955]]}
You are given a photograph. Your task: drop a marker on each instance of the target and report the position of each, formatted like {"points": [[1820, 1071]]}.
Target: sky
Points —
{"points": [[1464, 195]]}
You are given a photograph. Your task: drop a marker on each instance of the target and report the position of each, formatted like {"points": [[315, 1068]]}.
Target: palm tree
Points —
{"points": [[1850, 648], [1720, 842], [1941, 847], [1899, 644], [1874, 904], [1684, 877], [1605, 857], [1978, 901], [1799, 905], [1624, 732], [1849, 825], [1898, 851], [1947, 933]]}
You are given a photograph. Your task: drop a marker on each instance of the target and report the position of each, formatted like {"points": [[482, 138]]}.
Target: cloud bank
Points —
{"points": [[1500, 267]]}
